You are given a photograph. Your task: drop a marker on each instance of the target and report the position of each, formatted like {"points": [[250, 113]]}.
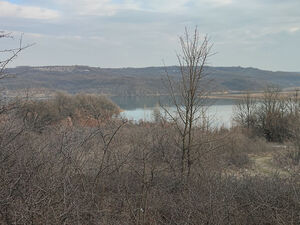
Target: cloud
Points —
{"points": [[96, 7], [8, 9], [142, 32], [112, 7], [293, 29], [178, 6], [220, 2], [165, 5]]}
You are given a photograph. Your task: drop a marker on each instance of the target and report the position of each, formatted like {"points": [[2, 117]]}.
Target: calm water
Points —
{"points": [[220, 111]]}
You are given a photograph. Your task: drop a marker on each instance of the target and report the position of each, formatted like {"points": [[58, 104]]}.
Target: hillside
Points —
{"points": [[138, 81]]}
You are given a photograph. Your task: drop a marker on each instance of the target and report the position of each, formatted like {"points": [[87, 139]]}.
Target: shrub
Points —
{"points": [[271, 116], [38, 114]]}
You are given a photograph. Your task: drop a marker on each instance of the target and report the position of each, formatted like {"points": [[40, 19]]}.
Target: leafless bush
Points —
{"points": [[123, 173], [287, 158], [81, 108], [238, 145], [271, 116]]}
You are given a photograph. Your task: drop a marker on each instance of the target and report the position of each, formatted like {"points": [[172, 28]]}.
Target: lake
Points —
{"points": [[220, 111]]}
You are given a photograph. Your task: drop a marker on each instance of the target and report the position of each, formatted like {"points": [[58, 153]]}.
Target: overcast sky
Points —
{"points": [[138, 33]]}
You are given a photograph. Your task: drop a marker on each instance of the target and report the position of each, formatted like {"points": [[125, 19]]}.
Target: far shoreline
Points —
{"points": [[234, 95]]}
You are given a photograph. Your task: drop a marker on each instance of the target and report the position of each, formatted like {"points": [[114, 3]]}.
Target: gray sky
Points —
{"points": [[138, 33]]}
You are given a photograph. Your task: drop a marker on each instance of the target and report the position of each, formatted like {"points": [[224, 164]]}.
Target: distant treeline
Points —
{"points": [[139, 81]]}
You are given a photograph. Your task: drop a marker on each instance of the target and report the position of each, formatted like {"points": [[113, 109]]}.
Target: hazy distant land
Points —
{"points": [[228, 82]]}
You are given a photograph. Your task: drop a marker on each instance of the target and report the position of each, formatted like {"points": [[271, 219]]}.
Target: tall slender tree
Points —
{"points": [[188, 93]]}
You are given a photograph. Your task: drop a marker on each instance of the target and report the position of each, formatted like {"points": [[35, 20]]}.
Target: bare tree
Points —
{"points": [[9, 54], [274, 116], [188, 93], [245, 111]]}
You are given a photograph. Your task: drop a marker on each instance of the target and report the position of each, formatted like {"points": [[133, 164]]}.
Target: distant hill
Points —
{"points": [[138, 81]]}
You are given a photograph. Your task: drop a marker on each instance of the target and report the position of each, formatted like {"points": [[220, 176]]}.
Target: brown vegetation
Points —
{"points": [[187, 95], [80, 109], [274, 116], [123, 173], [117, 172]]}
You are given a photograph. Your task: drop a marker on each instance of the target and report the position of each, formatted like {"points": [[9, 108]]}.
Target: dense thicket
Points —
{"points": [[274, 116], [80, 108], [123, 173]]}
